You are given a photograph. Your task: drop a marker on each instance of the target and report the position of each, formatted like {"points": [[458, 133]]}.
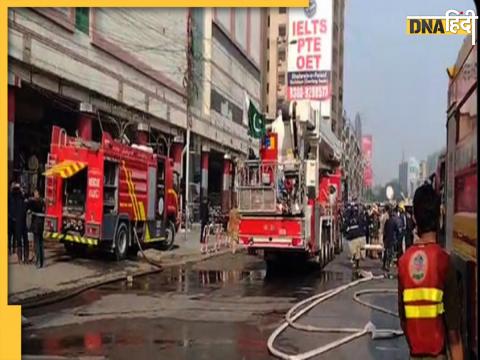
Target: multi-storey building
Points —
{"points": [[422, 173], [408, 176], [275, 89], [127, 71], [352, 163]]}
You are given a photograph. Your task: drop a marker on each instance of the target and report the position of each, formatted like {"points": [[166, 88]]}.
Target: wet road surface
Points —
{"points": [[222, 308]]}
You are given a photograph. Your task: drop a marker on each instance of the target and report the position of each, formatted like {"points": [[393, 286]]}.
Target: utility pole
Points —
{"points": [[189, 79]]}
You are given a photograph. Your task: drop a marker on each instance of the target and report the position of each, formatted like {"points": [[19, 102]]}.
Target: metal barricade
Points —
{"points": [[215, 238]]}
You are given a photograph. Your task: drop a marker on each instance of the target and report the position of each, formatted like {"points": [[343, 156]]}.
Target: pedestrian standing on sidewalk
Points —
{"points": [[205, 211], [19, 210], [37, 206], [428, 305]]}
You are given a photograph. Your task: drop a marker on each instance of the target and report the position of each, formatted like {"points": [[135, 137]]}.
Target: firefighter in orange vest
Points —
{"points": [[427, 288]]}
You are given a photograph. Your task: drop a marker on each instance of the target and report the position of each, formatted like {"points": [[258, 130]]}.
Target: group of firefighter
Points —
{"points": [[428, 306], [391, 226]]}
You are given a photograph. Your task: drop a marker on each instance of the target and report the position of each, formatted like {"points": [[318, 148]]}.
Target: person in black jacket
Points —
{"points": [[355, 229], [36, 205], [391, 234], [205, 217], [410, 226], [19, 212]]}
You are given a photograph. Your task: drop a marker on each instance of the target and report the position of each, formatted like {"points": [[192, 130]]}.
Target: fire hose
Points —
{"points": [[147, 259], [306, 305]]}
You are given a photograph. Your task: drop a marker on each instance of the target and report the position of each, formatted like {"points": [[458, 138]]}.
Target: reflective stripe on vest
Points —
{"points": [[428, 294], [423, 311]]}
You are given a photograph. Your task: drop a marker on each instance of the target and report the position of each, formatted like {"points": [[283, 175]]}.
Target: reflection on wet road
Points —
{"points": [[223, 308]]}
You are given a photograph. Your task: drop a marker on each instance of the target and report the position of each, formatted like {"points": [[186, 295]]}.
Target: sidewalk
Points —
{"points": [[62, 274]]}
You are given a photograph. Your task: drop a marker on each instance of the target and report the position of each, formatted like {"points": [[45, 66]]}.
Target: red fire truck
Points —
{"points": [[108, 195], [457, 175], [288, 197]]}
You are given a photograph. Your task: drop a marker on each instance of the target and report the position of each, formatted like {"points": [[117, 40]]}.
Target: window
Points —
{"points": [[282, 10], [268, 65], [82, 19], [268, 87], [281, 54], [281, 79], [282, 30], [268, 21], [241, 27]]}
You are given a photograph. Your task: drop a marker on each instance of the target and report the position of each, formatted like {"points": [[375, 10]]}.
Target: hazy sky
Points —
{"points": [[397, 82]]}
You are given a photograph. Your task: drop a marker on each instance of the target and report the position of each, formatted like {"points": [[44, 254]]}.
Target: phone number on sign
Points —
{"points": [[308, 92]]}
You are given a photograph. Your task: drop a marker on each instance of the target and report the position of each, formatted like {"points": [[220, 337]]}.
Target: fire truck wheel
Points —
{"points": [[170, 236], [121, 241]]}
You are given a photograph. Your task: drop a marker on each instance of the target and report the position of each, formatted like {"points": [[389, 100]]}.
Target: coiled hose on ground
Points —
{"points": [[306, 305]]}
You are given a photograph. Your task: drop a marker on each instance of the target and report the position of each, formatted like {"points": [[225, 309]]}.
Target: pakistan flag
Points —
{"points": [[256, 120]]}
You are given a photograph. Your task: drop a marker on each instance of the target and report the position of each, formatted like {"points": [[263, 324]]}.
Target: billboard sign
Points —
{"points": [[310, 51], [367, 145]]}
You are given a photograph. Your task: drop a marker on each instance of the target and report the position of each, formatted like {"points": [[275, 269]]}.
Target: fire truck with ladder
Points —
{"points": [[456, 182], [288, 198], [108, 195]]}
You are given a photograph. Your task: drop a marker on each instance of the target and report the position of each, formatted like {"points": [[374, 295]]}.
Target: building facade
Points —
{"points": [[127, 71], [403, 177], [409, 176], [358, 126], [422, 171], [275, 79], [352, 163]]}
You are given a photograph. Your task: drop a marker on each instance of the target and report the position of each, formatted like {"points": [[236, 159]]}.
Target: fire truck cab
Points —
{"points": [[108, 195]]}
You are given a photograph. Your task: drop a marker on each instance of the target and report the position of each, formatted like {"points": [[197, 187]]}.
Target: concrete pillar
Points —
{"points": [[234, 203], [142, 134], [204, 182], [227, 183], [11, 129]]}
